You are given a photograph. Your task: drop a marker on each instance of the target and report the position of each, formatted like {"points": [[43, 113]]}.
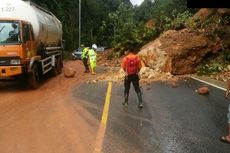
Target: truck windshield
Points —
{"points": [[9, 33]]}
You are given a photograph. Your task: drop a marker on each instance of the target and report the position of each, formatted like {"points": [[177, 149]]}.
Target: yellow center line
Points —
{"points": [[104, 118]]}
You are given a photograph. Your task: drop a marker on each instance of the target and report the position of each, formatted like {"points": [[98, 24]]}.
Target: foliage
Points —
{"points": [[172, 14], [226, 55], [215, 26], [181, 19], [146, 35], [144, 11], [126, 30], [210, 68], [176, 22], [169, 8], [124, 27], [192, 23], [214, 64], [115, 23], [93, 12]]}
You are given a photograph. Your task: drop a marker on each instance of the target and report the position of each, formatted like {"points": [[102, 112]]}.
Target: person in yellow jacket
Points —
{"points": [[93, 58], [84, 58]]}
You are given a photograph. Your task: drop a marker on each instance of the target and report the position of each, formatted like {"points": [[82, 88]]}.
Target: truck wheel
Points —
{"points": [[59, 66], [34, 77]]}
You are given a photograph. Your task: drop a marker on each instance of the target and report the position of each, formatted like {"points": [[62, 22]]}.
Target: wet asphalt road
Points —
{"points": [[173, 120]]}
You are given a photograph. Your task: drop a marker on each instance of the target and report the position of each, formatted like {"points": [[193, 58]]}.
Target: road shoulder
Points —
{"points": [[222, 85]]}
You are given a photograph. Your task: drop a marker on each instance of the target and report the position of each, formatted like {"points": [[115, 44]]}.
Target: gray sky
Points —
{"points": [[136, 2]]}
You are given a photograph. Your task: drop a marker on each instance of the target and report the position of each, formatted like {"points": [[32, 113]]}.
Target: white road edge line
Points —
{"points": [[208, 83]]}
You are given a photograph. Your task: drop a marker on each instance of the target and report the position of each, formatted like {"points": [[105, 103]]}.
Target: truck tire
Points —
{"points": [[59, 65], [34, 77]]}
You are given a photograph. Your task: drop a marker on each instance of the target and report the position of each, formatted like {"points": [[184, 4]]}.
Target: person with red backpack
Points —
{"points": [[131, 64]]}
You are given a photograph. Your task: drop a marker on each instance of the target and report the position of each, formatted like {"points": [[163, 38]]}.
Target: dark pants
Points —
{"points": [[134, 78], [85, 62]]}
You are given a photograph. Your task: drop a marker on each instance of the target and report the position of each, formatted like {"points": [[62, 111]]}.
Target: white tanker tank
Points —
{"points": [[47, 28]]}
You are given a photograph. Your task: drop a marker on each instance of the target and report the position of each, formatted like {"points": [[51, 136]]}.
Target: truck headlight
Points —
{"points": [[15, 62]]}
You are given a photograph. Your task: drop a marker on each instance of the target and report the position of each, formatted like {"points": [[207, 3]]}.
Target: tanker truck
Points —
{"points": [[30, 41]]}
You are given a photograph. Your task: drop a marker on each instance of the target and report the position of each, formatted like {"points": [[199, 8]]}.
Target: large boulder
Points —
{"points": [[69, 72], [177, 52]]}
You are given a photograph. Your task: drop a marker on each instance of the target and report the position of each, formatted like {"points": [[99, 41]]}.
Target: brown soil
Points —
{"points": [[48, 119]]}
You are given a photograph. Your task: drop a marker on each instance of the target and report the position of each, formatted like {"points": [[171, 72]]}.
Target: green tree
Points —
{"points": [[113, 22], [144, 11]]}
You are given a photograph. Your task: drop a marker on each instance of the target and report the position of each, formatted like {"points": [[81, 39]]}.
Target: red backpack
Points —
{"points": [[132, 65]]}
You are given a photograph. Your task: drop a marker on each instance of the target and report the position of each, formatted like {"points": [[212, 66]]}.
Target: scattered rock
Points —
{"points": [[151, 76], [69, 72], [222, 76], [174, 80], [88, 82], [174, 85], [147, 72], [228, 67], [202, 91]]}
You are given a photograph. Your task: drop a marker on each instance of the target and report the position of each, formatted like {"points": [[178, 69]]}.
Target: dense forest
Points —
{"points": [[114, 23]]}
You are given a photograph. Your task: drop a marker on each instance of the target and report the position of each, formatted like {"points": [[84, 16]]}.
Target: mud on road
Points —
{"points": [[45, 120]]}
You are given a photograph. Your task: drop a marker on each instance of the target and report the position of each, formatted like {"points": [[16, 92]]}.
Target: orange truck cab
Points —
{"points": [[17, 46], [30, 41]]}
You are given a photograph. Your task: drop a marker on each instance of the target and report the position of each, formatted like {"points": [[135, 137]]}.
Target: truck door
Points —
{"points": [[28, 40]]}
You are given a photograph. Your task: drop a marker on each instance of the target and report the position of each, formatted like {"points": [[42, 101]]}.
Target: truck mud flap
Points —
{"points": [[33, 77]]}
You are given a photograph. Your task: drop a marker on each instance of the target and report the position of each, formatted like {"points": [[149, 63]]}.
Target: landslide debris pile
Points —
{"points": [[116, 74], [179, 52]]}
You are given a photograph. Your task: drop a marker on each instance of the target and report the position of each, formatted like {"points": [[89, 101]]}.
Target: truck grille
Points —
{"points": [[4, 61]]}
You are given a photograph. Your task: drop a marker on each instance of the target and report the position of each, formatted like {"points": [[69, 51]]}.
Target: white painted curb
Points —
{"points": [[209, 83]]}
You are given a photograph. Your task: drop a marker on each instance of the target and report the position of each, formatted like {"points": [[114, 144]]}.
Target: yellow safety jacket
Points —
{"points": [[92, 55], [85, 53]]}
